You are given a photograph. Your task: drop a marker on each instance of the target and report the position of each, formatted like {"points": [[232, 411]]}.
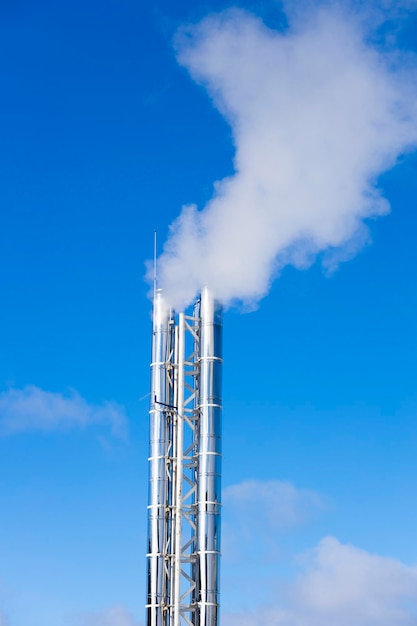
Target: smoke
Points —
{"points": [[317, 114]]}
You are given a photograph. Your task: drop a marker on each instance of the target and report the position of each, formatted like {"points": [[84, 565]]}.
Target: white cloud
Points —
{"points": [[317, 115], [114, 616], [279, 503], [341, 585], [373, 12], [254, 511], [32, 408], [333, 584]]}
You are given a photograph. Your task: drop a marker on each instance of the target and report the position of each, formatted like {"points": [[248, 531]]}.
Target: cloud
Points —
{"points": [[317, 114], [333, 583], [114, 616], [255, 511], [387, 13], [344, 585], [279, 503], [32, 408], [353, 585]]}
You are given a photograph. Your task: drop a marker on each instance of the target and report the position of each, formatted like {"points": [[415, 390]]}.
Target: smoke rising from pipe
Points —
{"points": [[317, 114]]}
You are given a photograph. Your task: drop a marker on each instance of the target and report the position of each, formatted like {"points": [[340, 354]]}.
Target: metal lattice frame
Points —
{"points": [[185, 461]]}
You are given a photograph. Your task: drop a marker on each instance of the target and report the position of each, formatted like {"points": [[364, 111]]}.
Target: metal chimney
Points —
{"points": [[185, 465]]}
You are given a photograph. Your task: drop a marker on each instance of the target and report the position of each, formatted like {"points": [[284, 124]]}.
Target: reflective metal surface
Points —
{"points": [[209, 460], [158, 525], [185, 465]]}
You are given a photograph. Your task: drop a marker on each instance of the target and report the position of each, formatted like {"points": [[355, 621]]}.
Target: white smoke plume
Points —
{"points": [[317, 114]]}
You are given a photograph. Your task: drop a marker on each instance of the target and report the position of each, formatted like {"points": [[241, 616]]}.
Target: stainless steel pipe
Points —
{"points": [[185, 465], [158, 453], [209, 460]]}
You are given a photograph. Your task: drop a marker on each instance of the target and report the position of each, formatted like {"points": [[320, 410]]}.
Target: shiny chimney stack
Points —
{"points": [[185, 465]]}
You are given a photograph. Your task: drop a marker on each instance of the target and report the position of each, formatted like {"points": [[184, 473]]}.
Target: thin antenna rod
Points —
{"points": [[154, 264]]}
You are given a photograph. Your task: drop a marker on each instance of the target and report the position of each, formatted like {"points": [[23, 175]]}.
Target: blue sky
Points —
{"points": [[105, 136]]}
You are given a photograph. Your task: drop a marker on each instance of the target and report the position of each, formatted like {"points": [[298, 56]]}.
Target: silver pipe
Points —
{"points": [[158, 527], [209, 461], [173, 476], [179, 478]]}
